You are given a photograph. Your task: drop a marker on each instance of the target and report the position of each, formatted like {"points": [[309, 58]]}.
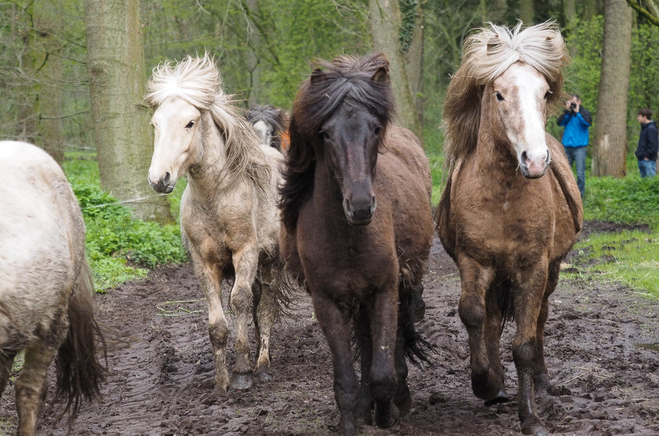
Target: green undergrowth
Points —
{"points": [[630, 256], [119, 247]]}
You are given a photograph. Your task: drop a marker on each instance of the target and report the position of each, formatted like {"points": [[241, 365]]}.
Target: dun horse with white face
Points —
{"points": [[46, 305], [229, 217], [268, 122], [511, 210]]}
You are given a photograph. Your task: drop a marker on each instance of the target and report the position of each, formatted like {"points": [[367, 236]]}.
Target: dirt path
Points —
{"points": [[162, 372]]}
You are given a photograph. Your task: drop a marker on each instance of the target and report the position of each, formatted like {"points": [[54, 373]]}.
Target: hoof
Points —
{"points": [[541, 383], [388, 417], [215, 396], [365, 411], [263, 376], [534, 426], [418, 305], [404, 402], [501, 397], [242, 381]]}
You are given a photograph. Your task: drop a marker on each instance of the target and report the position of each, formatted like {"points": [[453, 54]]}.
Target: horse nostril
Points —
{"points": [[524, 156], [374, 204], [167, 178]]}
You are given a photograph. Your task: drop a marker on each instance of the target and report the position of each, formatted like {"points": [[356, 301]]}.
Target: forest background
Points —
{"points": [[58, 56]]}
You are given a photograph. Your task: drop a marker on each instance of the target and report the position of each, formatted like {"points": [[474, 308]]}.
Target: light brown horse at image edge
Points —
{"points": [[46, 305], [511, 209]]}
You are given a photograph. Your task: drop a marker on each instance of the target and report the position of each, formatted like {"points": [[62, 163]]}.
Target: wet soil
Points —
{"points": [[161, 369]]}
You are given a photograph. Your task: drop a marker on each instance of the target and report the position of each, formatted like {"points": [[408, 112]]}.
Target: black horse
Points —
{"points": [[359, 242]]}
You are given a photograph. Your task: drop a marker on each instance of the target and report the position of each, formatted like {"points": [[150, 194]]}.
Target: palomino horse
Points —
{"points": [[360, 242], [46, 305], [229, 215], [268, 122], [511, 210]]}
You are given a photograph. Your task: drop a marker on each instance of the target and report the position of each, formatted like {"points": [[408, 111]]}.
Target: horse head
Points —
{"points": [[341, 113], [175, 124], [519, 96]]}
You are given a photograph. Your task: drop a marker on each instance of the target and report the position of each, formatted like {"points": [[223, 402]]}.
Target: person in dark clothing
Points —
{"points": [[577, 120], [648, 144]]}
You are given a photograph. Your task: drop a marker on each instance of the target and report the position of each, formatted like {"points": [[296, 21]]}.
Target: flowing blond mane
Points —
{"points": [[197, 80], [486, 56]]}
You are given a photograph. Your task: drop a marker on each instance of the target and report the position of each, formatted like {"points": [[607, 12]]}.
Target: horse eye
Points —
{"points": [[547, 94], [377, 130], [189, 125], [499, 96], [323, 135]]}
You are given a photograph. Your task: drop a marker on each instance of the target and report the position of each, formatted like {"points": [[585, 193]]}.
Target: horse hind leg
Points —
{"points": [[265, 314], [384, 322], [31, 386], [6, 361], [496, 306], [541, 375]]}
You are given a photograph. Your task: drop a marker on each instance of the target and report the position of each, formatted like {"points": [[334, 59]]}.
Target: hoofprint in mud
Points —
{"points": [[162, 368]]}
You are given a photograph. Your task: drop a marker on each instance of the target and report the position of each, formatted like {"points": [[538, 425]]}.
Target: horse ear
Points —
{"points": [[381, 75], [493, 44], [317, 76]]}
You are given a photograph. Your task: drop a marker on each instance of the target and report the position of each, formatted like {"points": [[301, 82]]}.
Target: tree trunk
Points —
{"points": [[570, 14], [386, 20], [610, 143], [413, 58], [254, 75], [589, 9], [117, 79], [526, 11], [49, 78]]}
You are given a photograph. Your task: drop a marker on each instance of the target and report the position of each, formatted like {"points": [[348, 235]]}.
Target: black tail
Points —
{"points": [[79, 372], [504, 297], [417, 348]]}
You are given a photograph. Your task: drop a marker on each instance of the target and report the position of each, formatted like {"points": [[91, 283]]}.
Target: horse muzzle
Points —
{"points": [[163, 185], [360, 213], [533, 169]]}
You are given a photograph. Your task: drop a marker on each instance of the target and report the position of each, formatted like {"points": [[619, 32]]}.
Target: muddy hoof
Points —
{"points": [[263, 376], [534, 426], [541, 383], [242, 381], [214, 397], [501, 397], [404, 402], [387, 416], [418, 305]]}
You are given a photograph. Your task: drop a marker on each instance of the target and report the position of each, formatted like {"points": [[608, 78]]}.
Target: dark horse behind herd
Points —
{"points": [[359, 242]]}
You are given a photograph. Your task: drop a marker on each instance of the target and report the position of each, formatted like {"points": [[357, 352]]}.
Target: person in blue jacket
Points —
{"points": [[577, 120], [648, 143]]}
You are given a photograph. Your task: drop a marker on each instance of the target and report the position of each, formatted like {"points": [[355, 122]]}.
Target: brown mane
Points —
{"points": [[346, 77], [487, 55]]}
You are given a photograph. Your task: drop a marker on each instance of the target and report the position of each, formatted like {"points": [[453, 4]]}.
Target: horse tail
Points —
{"points": [[417, 348], [79, 372], [504, 295]]}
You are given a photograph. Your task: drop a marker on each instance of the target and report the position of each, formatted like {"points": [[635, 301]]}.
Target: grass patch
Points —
{"points": [[119, 247], [629, 257]]}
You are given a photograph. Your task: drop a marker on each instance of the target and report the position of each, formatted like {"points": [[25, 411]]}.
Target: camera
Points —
{"points": [[573, 106]]}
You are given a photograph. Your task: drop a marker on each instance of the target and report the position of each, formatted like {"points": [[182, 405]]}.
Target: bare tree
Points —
{"points": [[610, 143], [386, 22], [117, 78]]}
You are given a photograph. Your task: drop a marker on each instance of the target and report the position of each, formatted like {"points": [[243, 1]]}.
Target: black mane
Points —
{"points": [[269, 115], [362, 80]]}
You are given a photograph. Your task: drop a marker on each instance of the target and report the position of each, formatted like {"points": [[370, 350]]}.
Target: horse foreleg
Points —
{"points": [[266, 314], [210, 277], [492, 336], [384, 323], [245, 262], [335, 324], [363, 333], [541, 376], [486, 382], [528, 302], [31, 386]]}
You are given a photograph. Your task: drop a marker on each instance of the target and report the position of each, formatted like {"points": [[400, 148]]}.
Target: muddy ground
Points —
{"points": [[161, 372]]}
